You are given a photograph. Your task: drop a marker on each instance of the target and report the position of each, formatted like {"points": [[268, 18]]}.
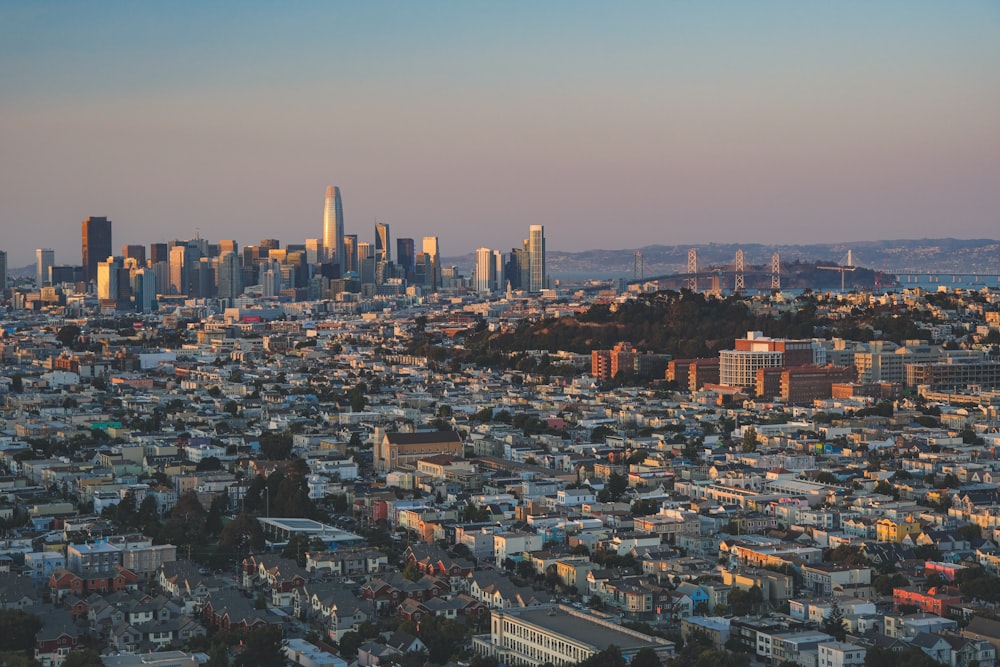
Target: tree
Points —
{"points": [[609, 657], [833, 623], [262, 648], [18, 630], [750, 440], [219, 655], [209, 463], [241, 536], [742, 602], [83, 658], [646, 657], [188, 519]]}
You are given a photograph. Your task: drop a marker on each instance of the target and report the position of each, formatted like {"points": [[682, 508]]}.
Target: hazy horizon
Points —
{"points": [[621, 126]]}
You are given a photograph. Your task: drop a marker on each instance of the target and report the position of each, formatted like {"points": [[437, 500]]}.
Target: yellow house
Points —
{"points": [[887, 530]]}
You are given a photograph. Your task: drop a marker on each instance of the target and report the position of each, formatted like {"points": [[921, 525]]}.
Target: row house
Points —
{"points": [[931, 601], [347, 563], [63, 583], [337, 608], [56, 639], [497, 591], [834, 579], [392, 589], [229, 610]]}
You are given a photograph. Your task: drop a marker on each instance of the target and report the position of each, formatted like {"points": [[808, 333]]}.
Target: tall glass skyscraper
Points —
{"points": [[382, 252], [536, 258], [96, 236], [333, 228]]}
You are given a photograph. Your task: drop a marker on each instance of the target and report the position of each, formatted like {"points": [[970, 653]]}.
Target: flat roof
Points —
{"points": [[580, 628]]}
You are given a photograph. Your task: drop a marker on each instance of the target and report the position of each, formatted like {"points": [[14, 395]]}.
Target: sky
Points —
{"points": [[615, 125]]}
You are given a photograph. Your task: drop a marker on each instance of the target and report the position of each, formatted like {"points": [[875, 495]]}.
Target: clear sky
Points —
{"points": [[614, 124]]}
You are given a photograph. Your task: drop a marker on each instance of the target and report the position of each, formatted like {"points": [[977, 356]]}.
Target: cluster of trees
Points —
{"points": [[282, 493]]}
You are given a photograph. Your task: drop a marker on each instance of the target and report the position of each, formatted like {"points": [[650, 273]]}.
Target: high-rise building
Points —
{"points": [[230, 276], [96, 236], [536, 258], [113, 286], [3, 274], [366, 263], [144, 289], [314, 251], [44, 259], [158, 252], [333, 227], [178, 270], [350, 254], [136, 252], [405, 254], [382, 253], [432, 249], [489, 270], [228, 245]]}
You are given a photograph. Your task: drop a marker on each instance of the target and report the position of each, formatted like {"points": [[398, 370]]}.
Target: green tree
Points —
{"points": [[750, 440], [83, 658], [241, 536], [834, 624], [262, 648], [646, 657], [18, 630], [218, 656], [188, 520]]}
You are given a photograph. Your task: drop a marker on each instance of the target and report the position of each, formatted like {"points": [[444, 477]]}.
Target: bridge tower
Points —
{"points": [[693, 269], [740, 283], [775, 271]]}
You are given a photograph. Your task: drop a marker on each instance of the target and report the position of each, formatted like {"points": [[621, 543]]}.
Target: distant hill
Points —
{"points": [[919, 255]]}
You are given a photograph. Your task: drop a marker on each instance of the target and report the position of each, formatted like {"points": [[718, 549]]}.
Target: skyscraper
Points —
{"points": [[382, 253], [350, 255], [3, 274], [333, 227], [314, 251], [96, 235], [485, 278], [230, 276], [44, 259], [536, 258], [136, 252], [405, 255], [432, 251]]}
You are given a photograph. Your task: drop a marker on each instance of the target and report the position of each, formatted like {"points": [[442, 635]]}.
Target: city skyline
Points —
{"points": [[654, 123]]}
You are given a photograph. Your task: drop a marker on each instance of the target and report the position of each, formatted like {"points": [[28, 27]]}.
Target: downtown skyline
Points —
{"points": [[658, 123]]}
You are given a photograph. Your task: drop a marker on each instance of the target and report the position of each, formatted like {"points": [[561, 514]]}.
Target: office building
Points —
{"points": [[488, 275], [314, 251], [333, 227], [738, 367], [227, 245], [405, 254], [350, 255], [96, 236], [3, 274], [136, 252], [536, 258], [63, 273], [230, 275], [178, 270], [143, 283], [44, 259], [158, 252], [431, 249], [382, 253]]}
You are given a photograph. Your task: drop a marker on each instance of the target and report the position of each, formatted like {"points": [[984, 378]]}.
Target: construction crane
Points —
{"points": [[843, 270]]}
